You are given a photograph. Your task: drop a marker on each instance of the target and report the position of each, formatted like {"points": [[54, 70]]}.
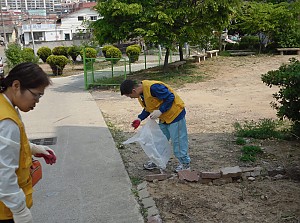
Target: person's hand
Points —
{"points": [[136, 123], [23, 216], [155, 114], [45, 152]]}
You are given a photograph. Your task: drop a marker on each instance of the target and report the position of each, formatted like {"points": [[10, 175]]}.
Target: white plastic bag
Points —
{"points": [[154, 143]]}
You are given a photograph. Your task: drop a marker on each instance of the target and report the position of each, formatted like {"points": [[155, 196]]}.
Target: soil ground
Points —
{"points": [[233, 93]]}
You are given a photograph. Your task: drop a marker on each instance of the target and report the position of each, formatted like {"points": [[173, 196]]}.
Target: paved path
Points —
{"points": [[89, 182]]}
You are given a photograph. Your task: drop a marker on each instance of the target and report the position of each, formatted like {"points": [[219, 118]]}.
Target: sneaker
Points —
{"points": [[180, 167], [150, 165]]}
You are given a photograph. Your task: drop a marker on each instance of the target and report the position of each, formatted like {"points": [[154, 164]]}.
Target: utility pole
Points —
{"points": [[4, 34], [32, 37]]}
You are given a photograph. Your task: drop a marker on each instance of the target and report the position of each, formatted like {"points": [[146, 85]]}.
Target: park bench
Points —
{"points": [[242, 53], [200, 57], [176, 64], [211, 53], [281, 50]]}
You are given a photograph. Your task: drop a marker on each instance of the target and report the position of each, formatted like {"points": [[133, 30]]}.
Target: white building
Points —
{"points": [[64, 29], [73, 23]]}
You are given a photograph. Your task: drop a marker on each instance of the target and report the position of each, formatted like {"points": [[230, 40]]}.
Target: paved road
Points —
{"points": [[88, 184]]}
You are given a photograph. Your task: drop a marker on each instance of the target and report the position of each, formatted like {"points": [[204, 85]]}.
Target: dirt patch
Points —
{"points": [[233, 93]]}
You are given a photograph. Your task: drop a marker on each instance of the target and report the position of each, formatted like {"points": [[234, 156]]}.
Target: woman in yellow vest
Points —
{"points": [[21, 89], [160, 101]]}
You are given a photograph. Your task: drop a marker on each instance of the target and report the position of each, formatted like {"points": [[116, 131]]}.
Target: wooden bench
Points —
{"points": [[200, 57], [211, 53], [281, 50], [176, 64], [242, 53]]}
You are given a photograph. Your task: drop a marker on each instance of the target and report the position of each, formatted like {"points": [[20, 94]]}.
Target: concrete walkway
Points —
{"points": [[89, 182]]}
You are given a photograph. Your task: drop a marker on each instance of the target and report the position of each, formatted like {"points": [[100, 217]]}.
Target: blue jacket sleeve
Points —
{"points": [[144, 114], [161, 92]]}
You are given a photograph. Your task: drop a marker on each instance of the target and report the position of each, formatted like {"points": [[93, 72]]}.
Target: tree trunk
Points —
{"points": [[180, 53], [166, 58]]}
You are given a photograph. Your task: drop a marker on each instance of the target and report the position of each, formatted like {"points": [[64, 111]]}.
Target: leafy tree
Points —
{"points": [[287, 78], [269, 21], [161, 22]]}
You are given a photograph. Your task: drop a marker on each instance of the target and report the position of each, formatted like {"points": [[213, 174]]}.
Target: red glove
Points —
{"points": [[49, 159], [136, 123]]}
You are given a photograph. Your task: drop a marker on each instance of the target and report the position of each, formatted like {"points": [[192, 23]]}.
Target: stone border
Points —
{"points": [[223, 176]]}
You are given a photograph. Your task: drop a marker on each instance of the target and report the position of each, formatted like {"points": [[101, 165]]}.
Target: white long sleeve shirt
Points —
{"points": [[10, 192]]}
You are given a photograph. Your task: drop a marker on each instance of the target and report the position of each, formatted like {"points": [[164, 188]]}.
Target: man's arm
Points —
{"points": [[161, 92]]}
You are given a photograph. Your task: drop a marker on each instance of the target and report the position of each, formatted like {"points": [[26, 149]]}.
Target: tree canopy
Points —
{"points": [[162, 22]]}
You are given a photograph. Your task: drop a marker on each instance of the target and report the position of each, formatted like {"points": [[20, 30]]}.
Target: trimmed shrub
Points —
{"points": [[105, 48], [44, 52], [133, 52], [74, 51], [114, 52], [60, 51], [89, 53], [57, 63]]}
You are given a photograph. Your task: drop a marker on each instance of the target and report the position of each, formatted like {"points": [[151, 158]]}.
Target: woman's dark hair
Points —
{"points": [[29, 74]]}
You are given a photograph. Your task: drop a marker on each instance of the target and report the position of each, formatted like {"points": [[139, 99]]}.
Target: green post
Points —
{"points": [[112, 68], [129, 65], [93, 74], [85, 71]]}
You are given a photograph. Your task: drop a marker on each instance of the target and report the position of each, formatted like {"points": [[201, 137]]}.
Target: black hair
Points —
{"points": [[29, 74], [127, 86]]}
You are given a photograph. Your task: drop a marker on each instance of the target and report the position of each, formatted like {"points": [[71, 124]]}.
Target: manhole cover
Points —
{"points": [[44, 141]]}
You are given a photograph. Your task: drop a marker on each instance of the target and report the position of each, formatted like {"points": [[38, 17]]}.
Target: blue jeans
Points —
{"points": [[177, 132]]}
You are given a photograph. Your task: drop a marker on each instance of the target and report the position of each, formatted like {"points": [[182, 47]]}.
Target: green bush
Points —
{"points": [[249, 43], [250, 152], [28, 50], [44, 52], [89, 53], [13, 54], [28, 55], [74, 51], [287, 78], [114, 53], [60, 51], [57, 63], [133, 52], [105, 48], [240, 141], [264, 129]]}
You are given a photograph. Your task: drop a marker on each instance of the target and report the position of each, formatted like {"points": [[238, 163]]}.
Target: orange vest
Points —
{"points": [[23, 172], [153, 103]]}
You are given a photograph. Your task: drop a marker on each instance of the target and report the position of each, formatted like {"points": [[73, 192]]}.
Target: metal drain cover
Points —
{"points": [[44, 141]]}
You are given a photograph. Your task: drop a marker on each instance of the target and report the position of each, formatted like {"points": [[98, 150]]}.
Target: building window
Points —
{"points": [[93, 18], [80, 18], [38, 36], [67, 36]]}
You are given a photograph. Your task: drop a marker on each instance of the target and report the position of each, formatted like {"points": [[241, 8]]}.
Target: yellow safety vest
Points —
{"points": [[151, 103], [23, 172]]}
